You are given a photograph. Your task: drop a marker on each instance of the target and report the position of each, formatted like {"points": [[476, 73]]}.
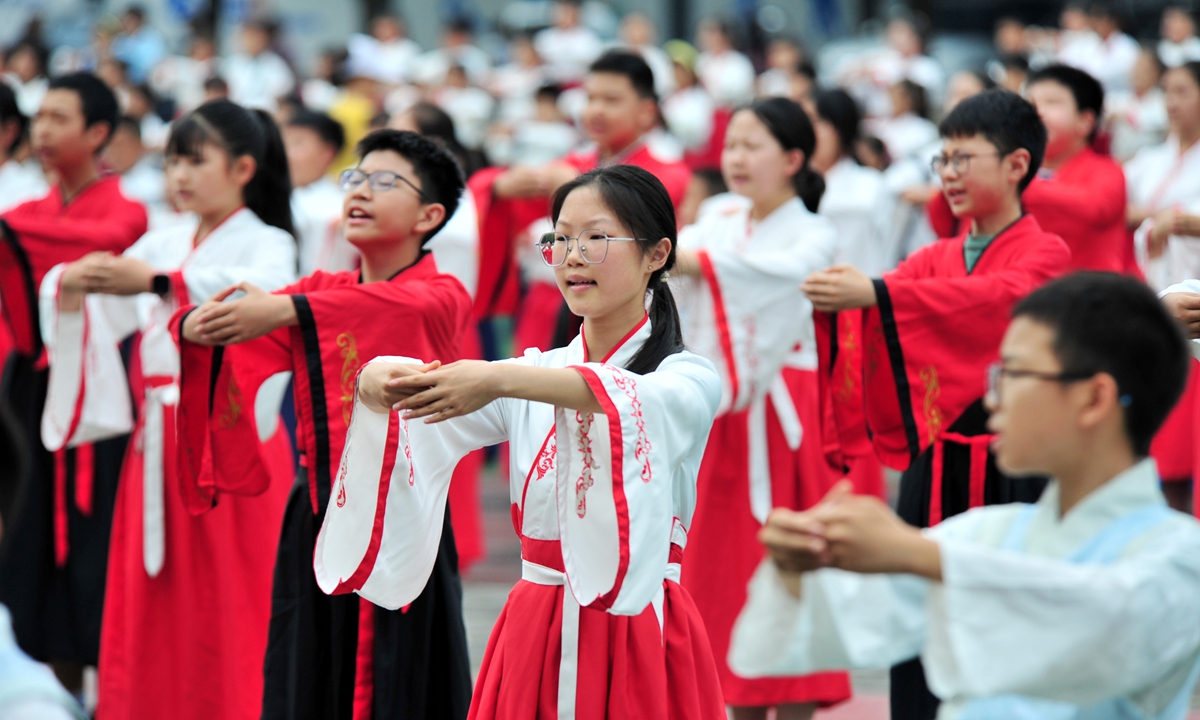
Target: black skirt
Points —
{"points": [[56, 611], [421, 668], [910, 695]]}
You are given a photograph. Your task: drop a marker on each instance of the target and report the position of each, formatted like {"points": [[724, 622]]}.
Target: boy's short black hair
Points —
{"points": [[1087, 91], [130, 125], [329, 130], [632, 66], [96, 100], [440, 174], [1006, 120], [1104, 322], [216, 84], [549, 91]]}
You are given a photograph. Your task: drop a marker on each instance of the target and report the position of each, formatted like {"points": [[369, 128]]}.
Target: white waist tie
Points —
{"points": [[568, 665], [761, 501], [153, 516]]}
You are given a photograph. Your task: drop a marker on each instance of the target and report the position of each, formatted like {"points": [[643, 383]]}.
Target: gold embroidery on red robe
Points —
{"points": [[349, 345]]}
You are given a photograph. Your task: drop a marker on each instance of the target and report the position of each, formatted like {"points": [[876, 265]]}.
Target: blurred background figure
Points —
{"points": [[1110, 56], [25, 73], [567, 47], [18, 182], [142, 177], [257, 76], [141, 48], [639, 34], [313, 142], [784, 61], [182, 77], [870, 77], [1137, 117], [688, 111], [1179, 43], [725, 73]]}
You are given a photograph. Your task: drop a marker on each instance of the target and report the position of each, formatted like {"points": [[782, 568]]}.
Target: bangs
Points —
{"points": [[189, 135]]}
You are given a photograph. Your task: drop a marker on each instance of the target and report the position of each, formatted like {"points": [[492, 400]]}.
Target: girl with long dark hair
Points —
{"points": [[188, 598], [740, 268], [605, 438]]}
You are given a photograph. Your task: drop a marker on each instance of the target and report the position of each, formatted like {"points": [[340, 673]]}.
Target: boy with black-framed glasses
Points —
{"points": [[331, 657], [903, 356], [1081, 605]]}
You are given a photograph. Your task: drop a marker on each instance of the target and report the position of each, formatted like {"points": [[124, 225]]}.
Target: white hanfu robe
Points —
{"points": [[1161, 178], [1097, 607], [199, 586], [857, 200], [598, 626], [746, 314]]}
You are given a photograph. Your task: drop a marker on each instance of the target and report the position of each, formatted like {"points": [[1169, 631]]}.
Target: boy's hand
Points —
{"points": [[1185, 307], [841, 287], [865, 536], [378, 385], [254, 315]]}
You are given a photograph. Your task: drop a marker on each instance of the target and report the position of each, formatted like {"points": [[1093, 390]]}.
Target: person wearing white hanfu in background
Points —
{"points": [[314, 141], [1081, 605], [605, 439], [17, 182]]}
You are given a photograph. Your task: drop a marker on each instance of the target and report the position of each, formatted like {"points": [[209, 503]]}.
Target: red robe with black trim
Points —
{"points": [[1083, 202], [504, 220], [53, 579], [343, 323], [900, 377]]}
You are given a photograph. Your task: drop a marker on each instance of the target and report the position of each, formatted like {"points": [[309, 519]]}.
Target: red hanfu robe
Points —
{"points": [[908, 375], [1083, 202], [332, 657], [52, 580], [503, 221]]}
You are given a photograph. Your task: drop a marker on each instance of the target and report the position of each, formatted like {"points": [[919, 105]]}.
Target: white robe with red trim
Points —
{"points": [[198, 585], [602, 503], [746, 314]]}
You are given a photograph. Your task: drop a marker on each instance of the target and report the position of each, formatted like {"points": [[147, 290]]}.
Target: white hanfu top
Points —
{"points": [[616, 488], [857, 200], [1031, 622], [1159, 178], [88, 397]]}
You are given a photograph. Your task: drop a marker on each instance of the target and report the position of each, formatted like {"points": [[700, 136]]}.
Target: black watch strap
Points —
{"points": [[161, 285]]}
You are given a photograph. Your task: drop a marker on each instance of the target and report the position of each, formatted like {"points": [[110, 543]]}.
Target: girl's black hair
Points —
{"points": [[11, 113], [642, 204], [242, 132], [433, 122], [789, 124], [1193, 68], [837, 108]]}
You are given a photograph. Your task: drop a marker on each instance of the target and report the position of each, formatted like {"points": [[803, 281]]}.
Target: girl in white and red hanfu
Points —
{"points": [[743, 263], [187, 599], [605, 435]]}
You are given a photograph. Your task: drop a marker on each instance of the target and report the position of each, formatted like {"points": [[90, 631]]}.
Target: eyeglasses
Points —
{"points": [[997, 373], [379, 181], [593, 246], [960, 163]]}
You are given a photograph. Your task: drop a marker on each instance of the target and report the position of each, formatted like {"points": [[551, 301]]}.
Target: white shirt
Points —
{"points": [[146, 183], [30, 94], [1135, 122], [1110, 61], [567, 53], [257, 82], [456, 246], [689, 116], [905, 135], [1175, 54], [18, 184], [394, 58], [728, 77], [182, 78], [471, 109], [1001, 621], [317, 212]]}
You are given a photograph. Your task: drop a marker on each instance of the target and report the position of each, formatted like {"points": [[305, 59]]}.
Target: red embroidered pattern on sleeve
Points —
{"points": [[412, 478], [641, 451], [545, 461], [585, 476]]}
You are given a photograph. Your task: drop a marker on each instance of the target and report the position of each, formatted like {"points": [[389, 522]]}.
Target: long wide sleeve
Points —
{"points": [[88, 392], [844, 620], [1078, 633], [382, 528], [618, 471]]}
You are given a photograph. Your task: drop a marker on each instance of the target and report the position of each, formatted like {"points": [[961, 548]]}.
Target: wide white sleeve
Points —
{"points": [[1007, 623], [841, 620], [381, 532], [270, 264], [87, 397], [616, 471], [1187, 286]]}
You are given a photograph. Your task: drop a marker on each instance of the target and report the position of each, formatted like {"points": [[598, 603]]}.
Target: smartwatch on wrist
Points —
{"points": [[161, 285]]}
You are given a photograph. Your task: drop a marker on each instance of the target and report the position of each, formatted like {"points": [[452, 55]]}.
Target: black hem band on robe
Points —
{"points": [[421, 667], [56, 611]]}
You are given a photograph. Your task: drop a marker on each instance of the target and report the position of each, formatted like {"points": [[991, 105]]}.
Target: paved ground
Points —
{"points": [[488, 583]]}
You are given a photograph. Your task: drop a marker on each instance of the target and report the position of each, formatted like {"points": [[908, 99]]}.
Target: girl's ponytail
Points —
{"points": [[269, 192], [242, 132]]}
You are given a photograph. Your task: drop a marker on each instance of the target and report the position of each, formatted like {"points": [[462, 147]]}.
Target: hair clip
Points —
{"points": [[1125, 400]]}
